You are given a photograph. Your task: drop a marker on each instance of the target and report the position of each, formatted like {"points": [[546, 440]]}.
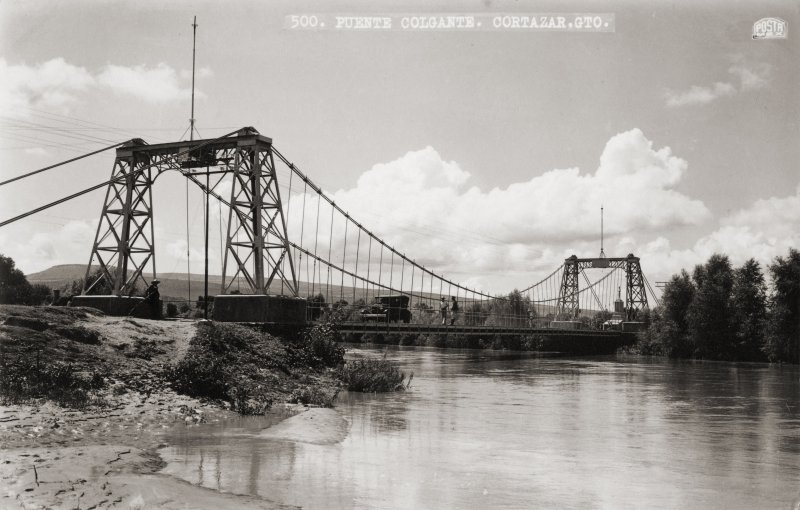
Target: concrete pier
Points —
{"points": [[259, 308]]}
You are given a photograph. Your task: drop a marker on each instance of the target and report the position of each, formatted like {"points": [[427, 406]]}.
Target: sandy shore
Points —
{"points": [[52, 458], [106, 455]]}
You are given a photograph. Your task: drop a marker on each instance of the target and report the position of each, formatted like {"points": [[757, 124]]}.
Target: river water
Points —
{"points": [[482, 429]]}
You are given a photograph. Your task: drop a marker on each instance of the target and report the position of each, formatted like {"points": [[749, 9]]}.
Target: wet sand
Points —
{"points": [[108, 458], [106, 455]]}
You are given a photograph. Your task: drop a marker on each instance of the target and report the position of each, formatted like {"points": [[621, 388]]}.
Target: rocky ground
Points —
{"points": [[101, 452]]}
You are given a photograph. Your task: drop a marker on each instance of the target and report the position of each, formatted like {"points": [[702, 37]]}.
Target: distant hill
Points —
{"points": [[174, 286], [67, 272]]}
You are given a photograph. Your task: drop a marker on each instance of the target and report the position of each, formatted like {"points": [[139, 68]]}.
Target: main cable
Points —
{"points": [[13, 179]]}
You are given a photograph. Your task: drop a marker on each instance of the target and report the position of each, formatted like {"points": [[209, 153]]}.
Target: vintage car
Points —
{"points": [[390, 308]]}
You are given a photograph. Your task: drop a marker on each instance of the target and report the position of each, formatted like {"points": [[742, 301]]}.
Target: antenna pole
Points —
{"points": [[602, 253], [191, 137], [194, 42]]}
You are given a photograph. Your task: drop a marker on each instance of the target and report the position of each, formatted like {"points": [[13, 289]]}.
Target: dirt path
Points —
{"points": [[125, 331]]}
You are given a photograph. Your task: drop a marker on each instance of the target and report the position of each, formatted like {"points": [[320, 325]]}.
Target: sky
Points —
{"points": [[485, 153]]}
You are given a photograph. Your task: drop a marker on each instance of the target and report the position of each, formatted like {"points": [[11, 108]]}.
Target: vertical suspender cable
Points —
{"points": [[358, 249], [330, 247], [344, 259], [316, 241]]}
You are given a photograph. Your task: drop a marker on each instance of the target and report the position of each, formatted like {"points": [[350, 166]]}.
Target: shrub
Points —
{"points": [[172, 310], [144, 349], [317, 347], [219, 360], [28, 378], [373, 375], [314, 395]]}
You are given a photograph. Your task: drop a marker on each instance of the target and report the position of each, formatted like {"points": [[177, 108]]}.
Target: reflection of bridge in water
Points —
{"points": [[287, 239]]}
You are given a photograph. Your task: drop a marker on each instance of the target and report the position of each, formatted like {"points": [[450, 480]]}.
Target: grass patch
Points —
{"points": [[251, 370], [28, 378], [373, 375], [144, 348]]}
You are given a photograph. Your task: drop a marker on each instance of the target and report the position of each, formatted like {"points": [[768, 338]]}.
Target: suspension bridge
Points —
{"points": [[293, 255]]}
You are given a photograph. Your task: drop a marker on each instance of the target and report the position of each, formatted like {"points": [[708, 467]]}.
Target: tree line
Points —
{"points": [[15, 288], [721, 312]]}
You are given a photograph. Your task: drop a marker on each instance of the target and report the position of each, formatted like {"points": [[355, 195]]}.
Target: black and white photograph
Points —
{"points": [[339, 254]]}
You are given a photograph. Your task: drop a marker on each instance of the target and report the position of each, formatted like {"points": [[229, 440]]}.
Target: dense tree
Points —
{"points": [[783, 337], [599, 318], [510, 310], [671, 325], [15, 288], [748, 309], [708, 317]]}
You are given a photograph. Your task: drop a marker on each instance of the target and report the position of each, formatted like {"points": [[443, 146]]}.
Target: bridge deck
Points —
{"points": [[440, 329]]}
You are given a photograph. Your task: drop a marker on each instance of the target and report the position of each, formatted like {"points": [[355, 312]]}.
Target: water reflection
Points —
{"points": [[481, 429]]}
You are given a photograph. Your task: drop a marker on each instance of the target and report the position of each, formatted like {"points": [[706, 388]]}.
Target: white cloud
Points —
{"points": [[177, 250], [424, 205], [56, 84], [50, 85], [750, 78], [764, 230], [70, 243], [157, 85], [700, 95]]}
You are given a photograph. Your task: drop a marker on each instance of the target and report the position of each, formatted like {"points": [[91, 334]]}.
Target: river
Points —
{"points": [[489, 429]]}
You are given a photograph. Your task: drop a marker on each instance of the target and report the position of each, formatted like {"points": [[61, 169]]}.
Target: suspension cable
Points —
{"points": [[322, 194], [132, 174], [62, 163]]}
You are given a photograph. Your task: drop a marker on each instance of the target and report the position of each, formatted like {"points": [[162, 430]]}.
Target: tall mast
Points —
{"points": [[191, 137], [194, 42], [602, 253]]}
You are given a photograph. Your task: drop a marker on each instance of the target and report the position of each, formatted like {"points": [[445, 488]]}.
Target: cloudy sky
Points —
{"points": [[485, 153]]}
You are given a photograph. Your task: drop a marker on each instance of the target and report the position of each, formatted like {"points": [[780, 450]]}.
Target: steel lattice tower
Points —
{"points": [[568, 295], [635, 294], [257, 243], [256, 224], [123, 245], [636, 297]]}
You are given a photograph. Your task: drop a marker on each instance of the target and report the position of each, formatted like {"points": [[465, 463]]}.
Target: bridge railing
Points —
{"points": [[467, 316]]}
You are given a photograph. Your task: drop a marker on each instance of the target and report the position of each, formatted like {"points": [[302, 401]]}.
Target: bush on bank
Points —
{"points": [[251, 370], [27, 378], [373, 375]]}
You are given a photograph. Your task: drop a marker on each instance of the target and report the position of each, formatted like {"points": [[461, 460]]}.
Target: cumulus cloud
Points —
{"points": [[71, 243], [177, 250], [750, 78], [159, 84], [50, 85], [764, 230], [424, 205], [700, 94], [56, 84]]}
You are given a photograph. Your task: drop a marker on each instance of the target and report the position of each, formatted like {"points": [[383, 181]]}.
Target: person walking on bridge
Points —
{"points": [[453, 310], [443, 310]]}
